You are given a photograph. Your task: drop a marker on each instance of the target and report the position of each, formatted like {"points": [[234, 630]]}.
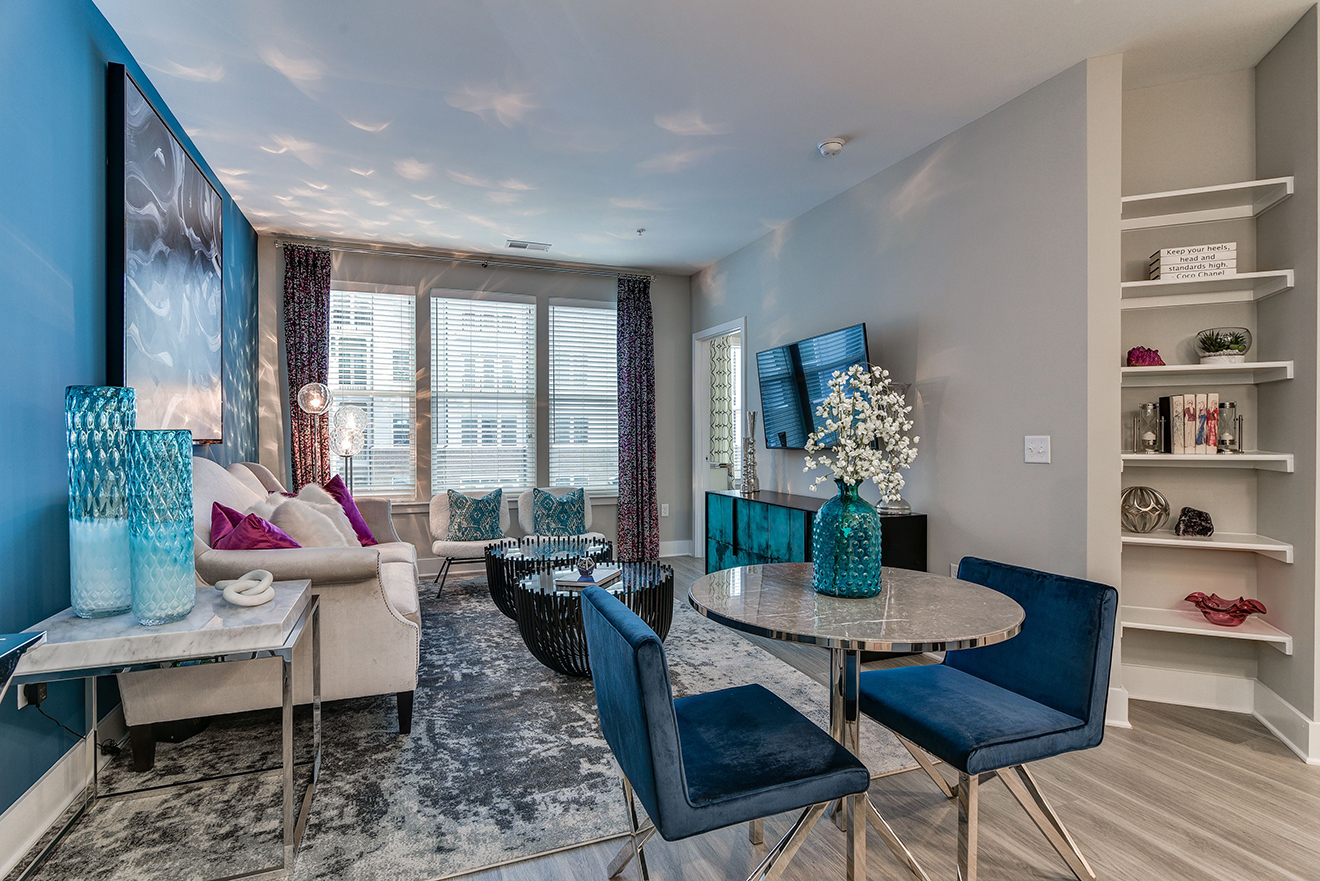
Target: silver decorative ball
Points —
{"points": [[1144, 509]]}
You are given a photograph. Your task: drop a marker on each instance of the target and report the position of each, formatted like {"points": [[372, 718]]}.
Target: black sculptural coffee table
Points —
{"points": [[510, 561], [550, 616]]}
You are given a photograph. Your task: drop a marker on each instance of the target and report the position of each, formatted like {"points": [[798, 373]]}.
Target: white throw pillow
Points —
{"points": [[318, 498], [306, 525]]}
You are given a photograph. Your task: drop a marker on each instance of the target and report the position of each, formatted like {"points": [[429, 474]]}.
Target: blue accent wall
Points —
{"points": [[53, 56]]}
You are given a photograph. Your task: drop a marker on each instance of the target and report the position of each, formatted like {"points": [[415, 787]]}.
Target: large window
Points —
{"points": [[483, 393], [373, 345], [584, 400]]}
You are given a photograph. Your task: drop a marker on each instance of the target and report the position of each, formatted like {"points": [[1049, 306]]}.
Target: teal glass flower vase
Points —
{"points": [[845, 546], [160, 518], [97, 421]]}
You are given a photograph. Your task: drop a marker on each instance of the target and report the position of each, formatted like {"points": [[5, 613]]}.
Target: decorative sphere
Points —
{"points": [[351, 417], [1144, 509], [314, 399], [344, 441]]}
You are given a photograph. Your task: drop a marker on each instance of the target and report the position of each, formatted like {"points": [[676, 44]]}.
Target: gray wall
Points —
{"points": [[1286, 143], [969, 263], [671, 307]]}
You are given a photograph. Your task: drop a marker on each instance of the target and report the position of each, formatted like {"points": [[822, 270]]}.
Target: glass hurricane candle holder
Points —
{"points": [[160, 513], [1230, 428], [98, 420], [1148, 430]]}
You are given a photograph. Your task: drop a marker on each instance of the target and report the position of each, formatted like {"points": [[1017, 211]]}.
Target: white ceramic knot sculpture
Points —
{"points": [[252, 589]]}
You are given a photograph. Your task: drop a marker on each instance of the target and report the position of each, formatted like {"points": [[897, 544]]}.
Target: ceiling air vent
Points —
{"points": [[527, 246]]}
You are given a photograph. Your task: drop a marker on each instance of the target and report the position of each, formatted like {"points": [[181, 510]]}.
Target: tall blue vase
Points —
{"points": [[845, 546], [160, 515], [97, 421]]}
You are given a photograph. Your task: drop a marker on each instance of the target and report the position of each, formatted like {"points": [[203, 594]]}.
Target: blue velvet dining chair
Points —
{"points": [[989, 711], [711, 760]]}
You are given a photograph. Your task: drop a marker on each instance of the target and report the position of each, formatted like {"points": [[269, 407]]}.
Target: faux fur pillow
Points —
{"points": [[312, 518]]}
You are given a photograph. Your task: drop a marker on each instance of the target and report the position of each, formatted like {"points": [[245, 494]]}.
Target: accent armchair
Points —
{"points": [[370, 619], [989, 711], [451, 552], [527, 518], [711, 760]]}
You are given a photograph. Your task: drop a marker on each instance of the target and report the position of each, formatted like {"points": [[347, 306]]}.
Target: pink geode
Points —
{"points": [[1144, 357]]}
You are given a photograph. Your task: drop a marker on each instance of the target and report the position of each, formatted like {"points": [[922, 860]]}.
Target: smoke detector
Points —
{"points": [[830, 147], [527, 246]]}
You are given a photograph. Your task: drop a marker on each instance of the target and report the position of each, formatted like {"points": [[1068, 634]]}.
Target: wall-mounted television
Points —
{"points": [[796, 378]]}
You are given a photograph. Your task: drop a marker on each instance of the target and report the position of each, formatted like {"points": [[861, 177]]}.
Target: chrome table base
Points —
{"points": [[295, 824]]}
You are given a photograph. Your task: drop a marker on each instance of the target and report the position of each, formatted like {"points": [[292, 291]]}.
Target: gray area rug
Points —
{"points": [[506, 761]]}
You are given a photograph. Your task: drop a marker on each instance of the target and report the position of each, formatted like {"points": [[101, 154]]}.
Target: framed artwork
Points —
{"points": [[164, 276]]}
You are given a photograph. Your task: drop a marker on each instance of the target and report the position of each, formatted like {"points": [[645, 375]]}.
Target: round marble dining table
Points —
{"points": [[915, 612]]}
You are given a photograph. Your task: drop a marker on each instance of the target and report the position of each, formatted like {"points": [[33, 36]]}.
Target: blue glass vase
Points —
{"points": [[97, 421], [845, 546], [160, 518]]}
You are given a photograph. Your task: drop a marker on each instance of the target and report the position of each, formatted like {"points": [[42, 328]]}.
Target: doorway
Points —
{"points": [[718, 417]]}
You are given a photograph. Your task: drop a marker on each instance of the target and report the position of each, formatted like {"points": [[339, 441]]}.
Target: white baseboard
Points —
{"points": [[1189, 688], [1289, 724], [29, 818], [1116, 708], [676, 548]]}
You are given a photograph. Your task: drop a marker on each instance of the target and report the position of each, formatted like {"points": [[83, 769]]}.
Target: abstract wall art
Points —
{"points": [[164, 269]]}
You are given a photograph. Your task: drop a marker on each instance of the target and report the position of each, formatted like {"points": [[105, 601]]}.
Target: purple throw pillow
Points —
{"points": [[232, 531], [339, 491]]}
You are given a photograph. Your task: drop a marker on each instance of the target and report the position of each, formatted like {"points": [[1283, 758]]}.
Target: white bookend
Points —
{"points": [[1212, 423]]}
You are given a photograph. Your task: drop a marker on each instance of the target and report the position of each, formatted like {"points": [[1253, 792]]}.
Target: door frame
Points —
{"points": [[701, 420]]}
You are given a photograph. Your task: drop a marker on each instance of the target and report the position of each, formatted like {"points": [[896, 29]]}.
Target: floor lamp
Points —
{"points": [[315, 399], [348, 435]]}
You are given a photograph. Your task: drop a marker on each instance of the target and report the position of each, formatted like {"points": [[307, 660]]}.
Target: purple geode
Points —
{"points": [[1141, 356]]}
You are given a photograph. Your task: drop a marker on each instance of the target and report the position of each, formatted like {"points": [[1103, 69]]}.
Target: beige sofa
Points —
{"points": [[370, 619]]}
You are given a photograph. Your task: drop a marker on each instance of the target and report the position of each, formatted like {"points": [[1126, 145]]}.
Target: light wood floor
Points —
{"points": [[1186, 794]]}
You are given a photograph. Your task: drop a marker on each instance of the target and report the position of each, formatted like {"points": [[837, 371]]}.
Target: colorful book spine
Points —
{"points": [[1177, 444], [1200, 424], [1212, 423], [1189, 424]]}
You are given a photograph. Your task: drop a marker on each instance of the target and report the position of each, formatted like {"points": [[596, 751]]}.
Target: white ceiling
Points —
{"points": [[574, 122]]}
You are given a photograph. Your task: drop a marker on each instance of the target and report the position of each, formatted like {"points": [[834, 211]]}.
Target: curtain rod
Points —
{"points": [[484, 262]]}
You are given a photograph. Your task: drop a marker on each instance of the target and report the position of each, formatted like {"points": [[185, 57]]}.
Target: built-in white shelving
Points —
{"points": [[1204, 204], [1245, 287], [1193, 622], [1255, 459], [1220, 541], [1247, 373]]}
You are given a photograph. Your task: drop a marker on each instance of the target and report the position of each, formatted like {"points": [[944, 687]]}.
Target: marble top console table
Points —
{"points": [[215, 632], [12, 647]]}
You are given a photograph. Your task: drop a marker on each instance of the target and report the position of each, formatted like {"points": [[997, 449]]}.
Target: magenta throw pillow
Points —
{"points": [[232, 531], [341, 495]]}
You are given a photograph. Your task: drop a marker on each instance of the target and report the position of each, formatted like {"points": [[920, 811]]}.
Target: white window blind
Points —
{"points": [[373, 346], [483, 394], [584, 397]]}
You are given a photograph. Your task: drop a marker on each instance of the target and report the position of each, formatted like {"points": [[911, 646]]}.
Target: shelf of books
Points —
{"points": [[1254, 459], [1246, 373], [1204, 204], [1193, 622], [1220, 541], [1245, 287]]}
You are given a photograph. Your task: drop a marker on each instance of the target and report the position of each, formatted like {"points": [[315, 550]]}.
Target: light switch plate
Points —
{"points": [[664, 510], [1037, 449]]}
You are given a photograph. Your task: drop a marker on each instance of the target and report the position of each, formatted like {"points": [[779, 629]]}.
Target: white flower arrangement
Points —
{"points": [[869, 419]]}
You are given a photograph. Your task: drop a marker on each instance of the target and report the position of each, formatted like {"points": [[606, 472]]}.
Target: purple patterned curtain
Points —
{"points": [[307, 351], [639, 517]]}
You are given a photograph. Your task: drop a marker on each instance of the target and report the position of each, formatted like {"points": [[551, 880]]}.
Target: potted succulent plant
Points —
{"points": [[1223, 345]]}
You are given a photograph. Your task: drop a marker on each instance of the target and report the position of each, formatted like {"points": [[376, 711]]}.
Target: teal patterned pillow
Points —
{"points": [[559, 515], [475, 519]]}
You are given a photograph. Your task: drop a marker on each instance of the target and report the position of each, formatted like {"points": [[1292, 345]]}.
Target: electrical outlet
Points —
{"points": [[1037, 449], [664, 510], [33, 693]]}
